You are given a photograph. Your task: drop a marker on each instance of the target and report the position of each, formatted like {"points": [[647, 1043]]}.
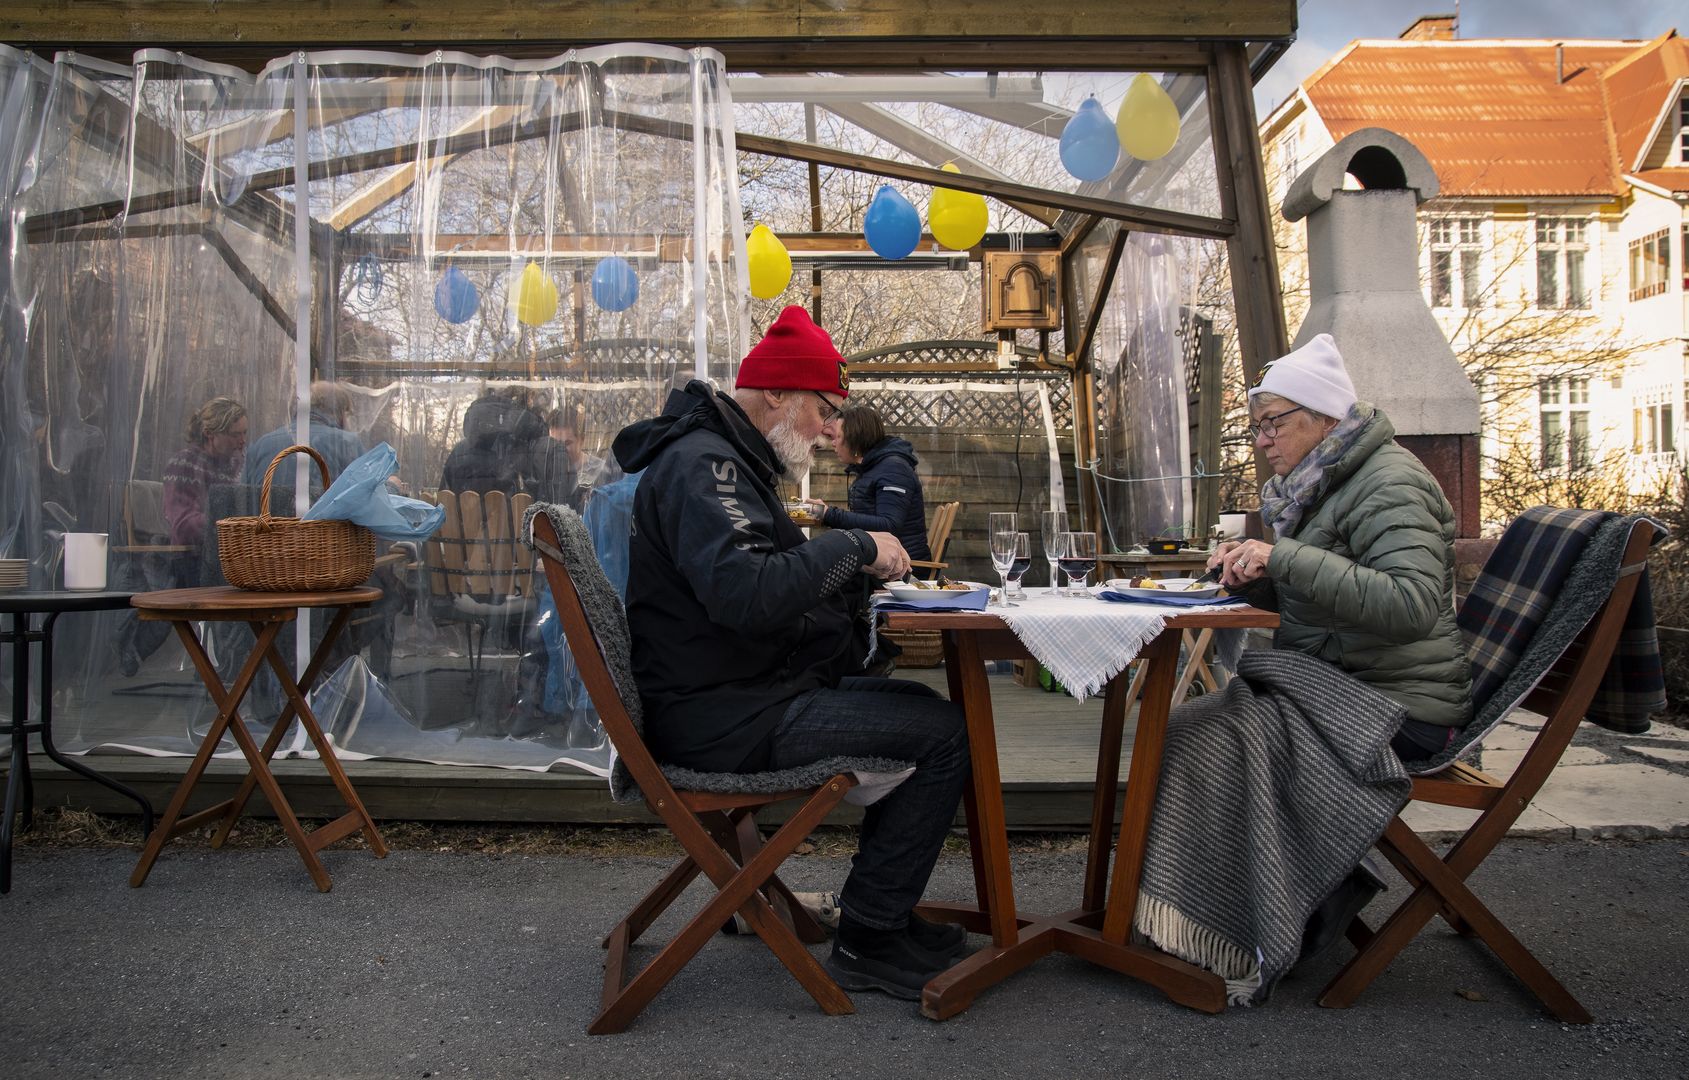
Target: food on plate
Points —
{"points": [[1145, 583], [1199, 585]]}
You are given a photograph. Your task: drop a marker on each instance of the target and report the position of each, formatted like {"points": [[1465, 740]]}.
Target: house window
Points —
{"points": [[1561, 249], [1650, 256], [1654, 423], [1563, 419], [1456, 280], [1683, 130], [1289, 160]]}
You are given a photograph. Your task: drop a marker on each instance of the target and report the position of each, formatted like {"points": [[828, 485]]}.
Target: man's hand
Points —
{"points": [[892, 561]]}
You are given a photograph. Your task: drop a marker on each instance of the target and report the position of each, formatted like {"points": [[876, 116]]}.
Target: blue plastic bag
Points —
{"points": [[360, 494]]}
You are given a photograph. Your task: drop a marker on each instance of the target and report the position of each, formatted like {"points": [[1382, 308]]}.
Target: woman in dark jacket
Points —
{"points": [[885, 493]]}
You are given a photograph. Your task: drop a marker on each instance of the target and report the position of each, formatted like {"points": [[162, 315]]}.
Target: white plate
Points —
{"points": [[1173, 586], [902, 590]]}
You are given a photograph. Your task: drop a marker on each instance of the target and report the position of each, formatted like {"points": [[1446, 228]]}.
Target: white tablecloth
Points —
{"points": [[1086, 642]]}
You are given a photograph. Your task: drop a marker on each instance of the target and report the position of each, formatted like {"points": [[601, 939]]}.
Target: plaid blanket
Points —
{"points": [[1271, 792], [1559, 565]]}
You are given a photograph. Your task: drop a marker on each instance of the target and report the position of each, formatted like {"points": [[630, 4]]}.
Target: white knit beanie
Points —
{"points": [[1313, 376]]}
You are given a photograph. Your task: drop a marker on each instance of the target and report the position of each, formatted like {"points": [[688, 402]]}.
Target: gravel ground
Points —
{"points": [[459, 963]]}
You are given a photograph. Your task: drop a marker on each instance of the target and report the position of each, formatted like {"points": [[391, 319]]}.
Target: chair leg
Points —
{"points": [[740, 891], [1442, 889]]}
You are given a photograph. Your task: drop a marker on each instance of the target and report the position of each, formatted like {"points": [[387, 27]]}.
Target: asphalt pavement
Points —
{"points": [[433, 964]]}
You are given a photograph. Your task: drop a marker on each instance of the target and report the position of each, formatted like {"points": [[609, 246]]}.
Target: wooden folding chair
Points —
{"points": [[479, 573], [938, 535], [717, 829], [1439, 884]]}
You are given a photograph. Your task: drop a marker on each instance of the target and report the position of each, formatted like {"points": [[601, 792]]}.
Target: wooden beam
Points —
{"points": [[1082, 355], [1141, 218], [911, 139], [1243, 198], [399, 179], [799, 33]]}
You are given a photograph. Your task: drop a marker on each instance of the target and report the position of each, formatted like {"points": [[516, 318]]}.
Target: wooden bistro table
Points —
{"points": [[1100, 927], [266, 613]]}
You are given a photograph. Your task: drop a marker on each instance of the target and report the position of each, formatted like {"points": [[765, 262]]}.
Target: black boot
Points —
{"points": [[866, 958], [1328, 921], [948, 940]]}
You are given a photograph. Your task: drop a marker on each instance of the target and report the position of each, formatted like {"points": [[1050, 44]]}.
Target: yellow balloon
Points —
{"points": [[536, 296], [769, 263], [957, 218], [1149, 121]]}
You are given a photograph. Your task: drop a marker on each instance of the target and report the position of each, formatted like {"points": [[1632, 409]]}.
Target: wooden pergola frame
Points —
{"points": [[1224, 44]]}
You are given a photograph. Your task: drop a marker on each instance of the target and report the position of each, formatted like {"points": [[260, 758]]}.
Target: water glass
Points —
{"points": [[1054, 524], [1000, 531], [1022, 563]]}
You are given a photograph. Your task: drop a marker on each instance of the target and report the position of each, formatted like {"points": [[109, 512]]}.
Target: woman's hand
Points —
{"points": [[1245, 561]]}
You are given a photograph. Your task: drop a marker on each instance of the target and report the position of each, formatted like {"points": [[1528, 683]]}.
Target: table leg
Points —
{"points": [[1162, 656], [172, 823], [970, 806], [53, 752], [357, 816], [278, 730], [1115, 700], [17, 776]]}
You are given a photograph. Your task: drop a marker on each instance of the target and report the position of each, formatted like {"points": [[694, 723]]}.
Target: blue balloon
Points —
{"points": [[455, 297], [1090, 145], [614, 284], [891, 225]]}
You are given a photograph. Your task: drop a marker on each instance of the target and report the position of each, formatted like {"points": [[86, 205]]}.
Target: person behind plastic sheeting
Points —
{"points": [[501, 430], [746, 636], [215, 449], [885, 493], [1362, 570], [331, 410], [214, 453]]}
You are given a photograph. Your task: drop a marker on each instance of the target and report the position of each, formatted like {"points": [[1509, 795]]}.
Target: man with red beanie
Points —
{"points": [[749, 640]]}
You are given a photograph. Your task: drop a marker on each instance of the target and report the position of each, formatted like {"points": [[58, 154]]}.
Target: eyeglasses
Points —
{"points": [[1268, 425], [829, 411]]}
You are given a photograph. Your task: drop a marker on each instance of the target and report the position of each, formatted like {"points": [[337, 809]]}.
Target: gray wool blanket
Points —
{"points": [[1271, 793]]}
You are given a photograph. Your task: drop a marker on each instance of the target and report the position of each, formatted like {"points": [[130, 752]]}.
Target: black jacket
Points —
{"points": [[733, 613], [885, 496], [500, 442]]}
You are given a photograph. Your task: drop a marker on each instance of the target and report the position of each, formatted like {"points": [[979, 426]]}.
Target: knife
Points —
{"points": [[1211, 575]]}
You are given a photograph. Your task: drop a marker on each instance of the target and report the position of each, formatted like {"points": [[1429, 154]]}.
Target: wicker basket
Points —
{"points": [[285, 554], [921, 648]]}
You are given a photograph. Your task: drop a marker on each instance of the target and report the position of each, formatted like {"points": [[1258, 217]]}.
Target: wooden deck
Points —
{"points": [[1047, 743]]}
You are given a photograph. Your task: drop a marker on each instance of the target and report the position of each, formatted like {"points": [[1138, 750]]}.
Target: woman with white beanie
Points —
{"points": [[1362, 569]]}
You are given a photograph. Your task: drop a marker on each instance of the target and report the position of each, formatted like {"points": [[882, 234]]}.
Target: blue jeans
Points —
{"points": [[904, 832]]}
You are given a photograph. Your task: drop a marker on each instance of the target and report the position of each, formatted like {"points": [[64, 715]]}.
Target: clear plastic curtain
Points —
{"points": [[1143, 420], [559, 237], [987, 443]]}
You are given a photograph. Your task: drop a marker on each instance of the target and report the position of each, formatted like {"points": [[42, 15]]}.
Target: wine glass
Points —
{"points": [[1000, 531], [1022, 563], [1055, 523], [1078, 559]]}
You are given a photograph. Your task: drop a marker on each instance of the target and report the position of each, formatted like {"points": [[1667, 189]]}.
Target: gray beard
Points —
{"points": [[794, 451]]}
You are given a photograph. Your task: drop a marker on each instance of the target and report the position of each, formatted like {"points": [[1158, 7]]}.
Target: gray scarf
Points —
{"points": [[1284, 499]]}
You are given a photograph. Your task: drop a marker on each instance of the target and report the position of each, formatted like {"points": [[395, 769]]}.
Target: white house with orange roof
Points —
{"points": [[1554, 253]]}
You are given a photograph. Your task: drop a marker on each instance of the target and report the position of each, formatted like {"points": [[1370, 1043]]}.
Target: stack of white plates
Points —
{"points": [[14, 573]]}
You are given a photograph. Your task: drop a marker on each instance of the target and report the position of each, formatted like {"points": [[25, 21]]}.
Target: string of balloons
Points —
{"points": [[1146, 127]]}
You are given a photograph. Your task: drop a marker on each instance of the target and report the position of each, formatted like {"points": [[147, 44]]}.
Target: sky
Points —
{"points": [[1325, 26]]}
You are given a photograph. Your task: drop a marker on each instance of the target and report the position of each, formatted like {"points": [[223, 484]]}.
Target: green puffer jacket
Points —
{"points": [[1366, 581]]}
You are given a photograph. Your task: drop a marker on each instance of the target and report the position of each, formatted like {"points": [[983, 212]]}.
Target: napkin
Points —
{"points": [[1172, 599]]}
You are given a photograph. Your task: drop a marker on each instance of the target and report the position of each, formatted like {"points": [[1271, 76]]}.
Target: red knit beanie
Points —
{"points": [[795, 354]]}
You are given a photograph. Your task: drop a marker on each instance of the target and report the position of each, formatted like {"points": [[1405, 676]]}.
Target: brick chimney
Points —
{"points": [[1432, 28], [1363, 284]]}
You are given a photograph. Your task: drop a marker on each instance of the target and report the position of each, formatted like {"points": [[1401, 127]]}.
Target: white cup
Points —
{"points": [[1232, 526], [85, 560]]}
